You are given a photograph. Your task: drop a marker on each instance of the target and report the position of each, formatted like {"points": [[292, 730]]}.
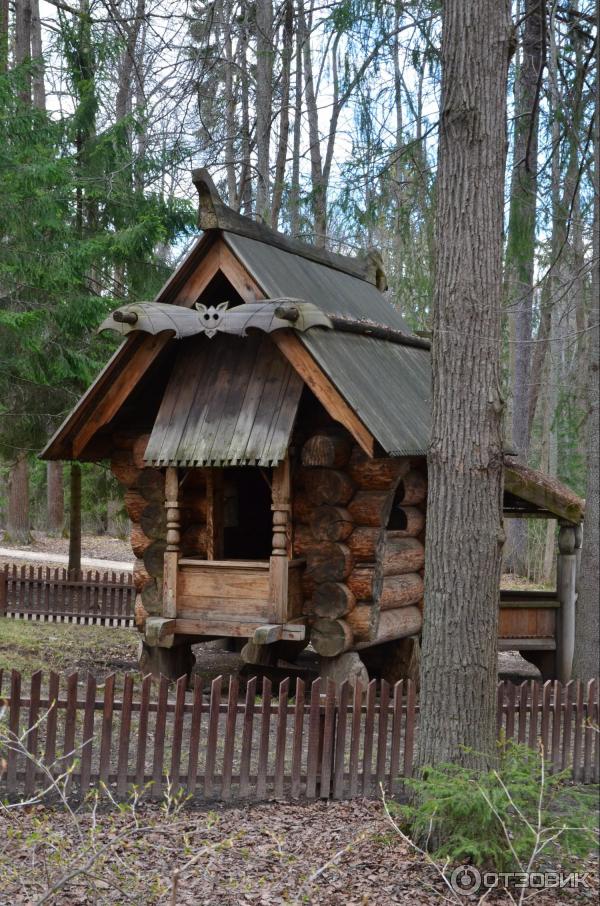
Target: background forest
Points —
{"points": [[319, 119]]}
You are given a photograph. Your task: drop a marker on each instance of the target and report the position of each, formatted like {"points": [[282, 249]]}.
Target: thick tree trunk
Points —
{"points": [[39, 90], [23, 43], [464, 525], [18, 502], [75, 519], [264, 100], [55, 498], [587, 630], [520, 251]]}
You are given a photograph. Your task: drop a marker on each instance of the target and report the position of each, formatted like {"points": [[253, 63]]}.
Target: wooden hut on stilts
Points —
{"points": [[268, 416]]}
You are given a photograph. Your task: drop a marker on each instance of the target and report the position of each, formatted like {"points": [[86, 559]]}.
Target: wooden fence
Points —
{"points": [[56, 595], [218, 742]]}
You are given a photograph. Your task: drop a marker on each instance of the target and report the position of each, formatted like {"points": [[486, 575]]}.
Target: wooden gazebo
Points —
{"points": [[268, 415]]}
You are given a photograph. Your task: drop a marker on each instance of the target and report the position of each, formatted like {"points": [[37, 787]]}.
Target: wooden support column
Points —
{"points": [[173, 539], [566, 582], [214, 514], [278, 571]]}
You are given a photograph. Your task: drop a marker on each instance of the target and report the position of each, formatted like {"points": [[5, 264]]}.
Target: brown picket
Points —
{"points": [[263, 750], [178, 718], [314, 725], [340, 741], [281, 738], [158, 755], [213, 731], [355, 739], [229, 743], [32, 732], [409, 731], [248, 725], [124, 735], [87, 738], [194, 743], [106, 733], [140, 761], [327, 740], [396, 737], [297, 739]]}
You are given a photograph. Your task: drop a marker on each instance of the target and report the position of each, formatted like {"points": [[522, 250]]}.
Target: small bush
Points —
{"points": [[516, 817]]}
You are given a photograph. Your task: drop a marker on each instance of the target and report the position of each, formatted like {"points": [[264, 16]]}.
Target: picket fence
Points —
{"points": [[221, 741], [57, 595]]}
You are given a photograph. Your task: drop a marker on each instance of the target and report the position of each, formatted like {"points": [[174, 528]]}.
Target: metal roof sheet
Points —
{"points": [[229, 401], [388, 385]]}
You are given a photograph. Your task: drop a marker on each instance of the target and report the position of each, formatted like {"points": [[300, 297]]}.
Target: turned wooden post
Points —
{"points": [[566, 583], [173, 539], [281, 543]]}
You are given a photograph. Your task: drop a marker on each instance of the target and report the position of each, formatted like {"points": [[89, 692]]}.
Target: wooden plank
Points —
{"points": [[298, 738], [263, 750], [556, 725], [522, 699], [578, 732], [567, 724], [589, 732], [396, 735], [340, 740], [229, 741], [355, 739], [235, 627], [32, 732], [176, 742], [246, 750], [139, 359], [382, 733], [313, 739], [235, 582], [510, 710], [368, 737], [213, 733], [106, 732], [159, 737], [546, 705], [70, 725], [310, 372], [87, 735], [52, 719], [194, 742], [327, 753], [142, 736], [124, 735], [14, 730], [409, 728], [281, 738]]}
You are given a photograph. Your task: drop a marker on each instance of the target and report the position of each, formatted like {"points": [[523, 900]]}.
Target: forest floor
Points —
{"points": [[331, 854]]}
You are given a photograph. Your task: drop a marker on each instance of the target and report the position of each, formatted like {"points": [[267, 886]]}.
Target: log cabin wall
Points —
{"points": [[363, 582]]}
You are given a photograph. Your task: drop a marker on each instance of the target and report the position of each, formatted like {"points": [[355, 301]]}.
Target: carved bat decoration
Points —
{"points": [[266, 315]]}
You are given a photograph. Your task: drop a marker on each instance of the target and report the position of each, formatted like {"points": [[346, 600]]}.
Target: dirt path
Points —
{"points": [[38, 557]]}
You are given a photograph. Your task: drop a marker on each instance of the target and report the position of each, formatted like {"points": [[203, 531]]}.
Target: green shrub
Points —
{"points": [[516, 817]]}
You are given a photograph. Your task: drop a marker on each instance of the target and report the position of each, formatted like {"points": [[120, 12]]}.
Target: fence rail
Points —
{"points": [[57, 595], [217, 741]]}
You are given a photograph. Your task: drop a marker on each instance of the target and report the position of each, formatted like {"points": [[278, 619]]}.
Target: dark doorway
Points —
{"points": [[247, 518]]}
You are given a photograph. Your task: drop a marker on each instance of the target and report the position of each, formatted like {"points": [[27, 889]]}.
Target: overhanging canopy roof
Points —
{"points": [[229, 401]]}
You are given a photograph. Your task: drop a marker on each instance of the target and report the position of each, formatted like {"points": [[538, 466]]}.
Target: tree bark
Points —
{"points": [[520, 252], [39, 90], [264, 101], [465, 459], [55, 497], [18, 501], [75, 519], [587, 630], [23, 44]]}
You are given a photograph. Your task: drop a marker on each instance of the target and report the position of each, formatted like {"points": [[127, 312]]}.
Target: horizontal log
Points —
{"points": [[376, 474], [365, 582], [401, 591], [151, 485], [394, 624], [139, 541], [330, 450], [303, 541], [193, 510], [370, 507], [122, 467], [542, 491], [406, 521], [363, 543], [330, 637], [412, 489], [302, 509], [333, 600], [327, 486], [154, 558], [402, 555], [331, 523], [363, 621], [135, 504], [140, 613], [140, 576], [154, 521], [329, 561], [138, 450]]}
